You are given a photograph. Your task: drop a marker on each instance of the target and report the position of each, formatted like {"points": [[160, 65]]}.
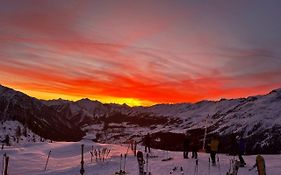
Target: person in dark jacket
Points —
{"points": [[241, 150], [195, 148], [186, 143], [234, 147], [147, 142]]}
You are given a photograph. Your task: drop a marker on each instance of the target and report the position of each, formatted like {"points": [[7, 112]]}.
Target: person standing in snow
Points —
{"points": [[195, 148], [238, 148], [214, 147], [186, 143], [234, 147], [147, 142], [241, 150]]}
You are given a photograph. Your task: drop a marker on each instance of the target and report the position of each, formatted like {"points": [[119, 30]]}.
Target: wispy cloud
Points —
{"points": [[97, 50]]}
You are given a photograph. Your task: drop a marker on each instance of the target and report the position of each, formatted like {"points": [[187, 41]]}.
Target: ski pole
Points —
{"points": [[92, 154], [250, 169], [108, 151], [3, 163], [146, 163], [47, 161], [196, 167], [125, 157], [5, 171], [99, 154], [135, 148], [209, 166], [121, 157], [96, 155], [128, 148], [219, 167]]}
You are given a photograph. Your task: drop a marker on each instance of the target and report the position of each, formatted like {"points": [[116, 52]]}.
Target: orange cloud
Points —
{"points": [[138, 55]]}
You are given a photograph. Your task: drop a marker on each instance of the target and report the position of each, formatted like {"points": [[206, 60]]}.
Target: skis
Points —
{"points": [[140, 162], [177, 169]]}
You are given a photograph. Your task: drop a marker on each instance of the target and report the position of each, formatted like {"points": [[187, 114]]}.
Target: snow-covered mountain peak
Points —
{"points": [[55, 102]]}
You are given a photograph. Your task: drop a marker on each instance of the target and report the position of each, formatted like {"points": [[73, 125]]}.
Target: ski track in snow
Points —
{"points": [[30, 159]]}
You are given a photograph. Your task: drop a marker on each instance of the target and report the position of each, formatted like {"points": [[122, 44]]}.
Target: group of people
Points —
{"points": [[237, 147], [192, 145]]}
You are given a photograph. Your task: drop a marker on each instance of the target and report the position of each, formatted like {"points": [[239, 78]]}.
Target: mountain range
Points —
{"points": [[257, 119]]}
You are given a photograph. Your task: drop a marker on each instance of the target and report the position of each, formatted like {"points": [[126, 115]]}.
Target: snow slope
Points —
{"points": [[30, 158], [10, 128]]}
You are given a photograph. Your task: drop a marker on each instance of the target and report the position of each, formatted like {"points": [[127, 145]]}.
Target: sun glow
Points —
{"points": [[116, 100]]}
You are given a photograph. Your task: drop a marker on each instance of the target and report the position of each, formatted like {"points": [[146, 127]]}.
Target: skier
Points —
{"points": [[147, 141], [234, 147], [195, 148], [241, 151], [186, 143], [260, 164], [214, 147]]}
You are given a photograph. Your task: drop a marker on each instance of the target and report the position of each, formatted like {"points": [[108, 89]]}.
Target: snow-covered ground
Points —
{"points": [[30, 159]]}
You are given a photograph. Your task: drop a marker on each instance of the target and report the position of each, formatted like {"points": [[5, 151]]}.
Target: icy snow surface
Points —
{"points": [[30, 158]]}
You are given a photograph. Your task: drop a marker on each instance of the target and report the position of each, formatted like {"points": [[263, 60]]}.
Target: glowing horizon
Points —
{"points": [[140, 53], [54, 96]]}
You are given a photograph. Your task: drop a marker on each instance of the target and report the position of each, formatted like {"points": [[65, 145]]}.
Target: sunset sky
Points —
{"points": [[140, 52]]}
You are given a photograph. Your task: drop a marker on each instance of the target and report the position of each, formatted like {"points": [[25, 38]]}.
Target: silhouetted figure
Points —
{"points": [[234, 145], [147, 142], [195, 148], [186, 143], [214, 147], [241, 150], [238, 148]]}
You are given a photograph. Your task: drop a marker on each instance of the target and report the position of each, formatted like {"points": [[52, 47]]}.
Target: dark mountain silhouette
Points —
{"points": [[38, 117]]}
